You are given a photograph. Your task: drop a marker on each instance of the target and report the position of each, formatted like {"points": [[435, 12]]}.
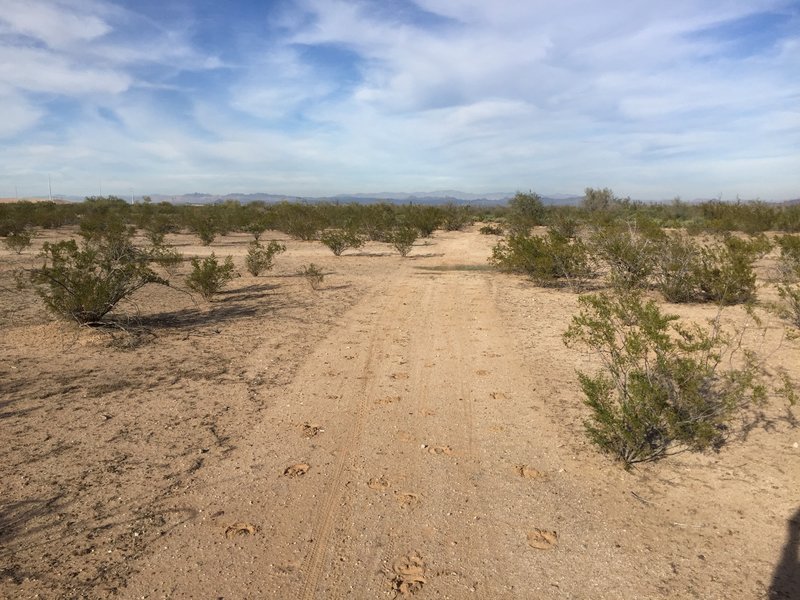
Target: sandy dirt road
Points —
{"points": [[428, 444]]}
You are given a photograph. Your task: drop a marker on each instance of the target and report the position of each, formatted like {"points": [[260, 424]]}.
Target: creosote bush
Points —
{"points": [[339, 240], [790, 294], [524, 211], [491, 229], [675, 268], [85, 282], [790, 256], [662, 386], [313, 275], [260, 258], [724, 272], [549, 260], [167, 257], [629, 249], [208, 276], [17, 241], [403, 238]]}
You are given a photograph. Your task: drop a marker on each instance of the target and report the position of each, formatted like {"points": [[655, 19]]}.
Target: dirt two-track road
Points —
{"points": [[422, 440]]}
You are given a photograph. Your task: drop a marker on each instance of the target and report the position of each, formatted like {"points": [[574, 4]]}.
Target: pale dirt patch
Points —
{"points": [[284, 442]]}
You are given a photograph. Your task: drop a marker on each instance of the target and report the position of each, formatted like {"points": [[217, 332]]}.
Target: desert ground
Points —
{"points": [[412, 428]]}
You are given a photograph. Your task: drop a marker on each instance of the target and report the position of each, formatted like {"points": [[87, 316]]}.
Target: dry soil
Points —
{"points": [[413, 428]]}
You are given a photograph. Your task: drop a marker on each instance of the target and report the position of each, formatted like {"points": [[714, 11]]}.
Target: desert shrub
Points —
{"points": [[662, 385], [675, 268], [166, 257], [300, 221], [597, 200], [208, 276], [725, 273], [629, 248], [260, 258], [790, 256], [491, 229], [524, 211], [377, 222], [425, 219], [156, 227], [258, 226], [86, 282], [564, 224], [339, 240], [790, 294], [454, 217], [204, 227], [549, 260], [403, 238], [313, 275], [19, 240]]}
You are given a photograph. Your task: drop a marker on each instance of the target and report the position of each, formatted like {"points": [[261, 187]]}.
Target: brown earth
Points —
{"points": [[411, 429]]}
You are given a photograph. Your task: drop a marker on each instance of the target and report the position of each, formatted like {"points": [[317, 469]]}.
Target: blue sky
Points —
{"points": [[696, 98]]}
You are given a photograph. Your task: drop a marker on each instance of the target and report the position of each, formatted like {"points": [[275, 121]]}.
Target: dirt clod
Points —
{"points": [[542, 539], [407, 575]]}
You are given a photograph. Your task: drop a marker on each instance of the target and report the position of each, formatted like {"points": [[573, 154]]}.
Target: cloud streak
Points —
{"points": [[321, 97]]}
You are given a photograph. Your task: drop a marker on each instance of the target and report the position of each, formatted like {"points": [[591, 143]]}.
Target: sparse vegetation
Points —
{"points": [[549, 260], [313, 275], [17, 241], [339, 240], [403, 238], [629, 249], [491, 229], [662, 386], [260, 258], [524, 212], [208, 276], [84, 283]]}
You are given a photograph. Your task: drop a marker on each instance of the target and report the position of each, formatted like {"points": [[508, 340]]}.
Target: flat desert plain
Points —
{"points": [[411, 429]]}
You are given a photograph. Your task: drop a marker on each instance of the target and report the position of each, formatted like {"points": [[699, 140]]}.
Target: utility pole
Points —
{"points": [[49, 188]]}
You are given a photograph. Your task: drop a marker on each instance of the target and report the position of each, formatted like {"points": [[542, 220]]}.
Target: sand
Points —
{"points": [[413, 428]]}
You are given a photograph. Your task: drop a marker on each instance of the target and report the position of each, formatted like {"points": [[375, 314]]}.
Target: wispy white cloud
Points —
{"points": [[326, 96]]}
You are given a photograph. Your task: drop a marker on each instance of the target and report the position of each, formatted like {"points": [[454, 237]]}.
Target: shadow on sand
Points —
{"points": [[786, 579]]}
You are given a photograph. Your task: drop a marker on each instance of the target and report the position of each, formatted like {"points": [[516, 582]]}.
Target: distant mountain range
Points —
{"points": [[430, 198], [436, 197]]}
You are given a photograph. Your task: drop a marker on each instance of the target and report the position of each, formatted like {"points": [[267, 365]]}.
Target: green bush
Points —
{"points": [[17, 241], [205, 227], [339, 240], [86, 282], [661, 386], [208, 276], [156, 227], [454, 217], [675, 268], [313, 275], [790, 256], [260, 258], [426, 219], [403, 238], [724, 272], [167, 258], [790, 294], [629, 249], [491, 229], [524, 212], [549, 260]]}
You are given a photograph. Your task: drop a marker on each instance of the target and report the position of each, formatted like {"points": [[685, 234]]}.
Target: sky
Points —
{"points": [[689, 98]]}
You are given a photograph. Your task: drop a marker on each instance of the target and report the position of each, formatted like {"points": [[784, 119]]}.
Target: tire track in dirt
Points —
{"points": [[370, 373], [321, 530], [431, 460]]}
